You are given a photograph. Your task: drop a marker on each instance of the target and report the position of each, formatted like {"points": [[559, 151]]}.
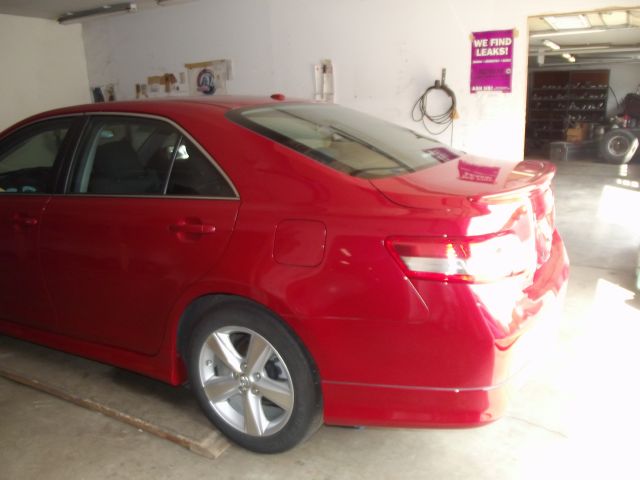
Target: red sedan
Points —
{"points": [[296, 262]]}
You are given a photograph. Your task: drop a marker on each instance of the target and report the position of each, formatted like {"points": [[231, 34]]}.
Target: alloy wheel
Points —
{"points": [[246, 381]]}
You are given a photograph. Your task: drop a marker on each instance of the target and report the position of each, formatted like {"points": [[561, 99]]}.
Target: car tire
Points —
{"points": [[253, 378], [618, 146]]}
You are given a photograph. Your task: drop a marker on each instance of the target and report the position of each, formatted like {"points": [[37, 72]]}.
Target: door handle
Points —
{"points": [[193, 228], [21, 220]]}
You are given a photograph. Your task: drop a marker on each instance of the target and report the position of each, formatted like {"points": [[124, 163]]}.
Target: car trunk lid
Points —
{"points": [[469, 176]]}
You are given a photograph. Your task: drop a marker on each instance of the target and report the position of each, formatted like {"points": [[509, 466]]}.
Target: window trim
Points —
{"points": [[167, 181], [181, 131]]}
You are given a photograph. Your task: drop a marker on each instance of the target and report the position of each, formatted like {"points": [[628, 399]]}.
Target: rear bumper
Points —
{"points": [[418, 406], [525, 337], [395, 406]]}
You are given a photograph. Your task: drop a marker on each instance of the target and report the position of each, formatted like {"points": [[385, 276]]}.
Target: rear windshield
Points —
{"points": [[345, 140]]}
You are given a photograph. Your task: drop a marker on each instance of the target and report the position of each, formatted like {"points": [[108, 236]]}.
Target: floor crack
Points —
{"points": [[537, 425]]}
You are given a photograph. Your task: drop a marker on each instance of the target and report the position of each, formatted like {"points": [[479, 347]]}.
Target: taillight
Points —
{"points": [[478, 259], [545, 213]]}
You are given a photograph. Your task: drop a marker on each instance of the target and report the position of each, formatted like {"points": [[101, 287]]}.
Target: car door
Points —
{"points": [[146, 214], [29, 161]]}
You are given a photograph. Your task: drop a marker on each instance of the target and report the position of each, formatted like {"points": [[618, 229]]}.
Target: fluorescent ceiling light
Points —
{"points": [[568, 22], [562, 33], [164, 3], [550, 44], [591, 47], [99, 12], [569, 58]]}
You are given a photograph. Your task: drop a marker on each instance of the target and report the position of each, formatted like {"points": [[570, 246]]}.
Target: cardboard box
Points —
{"points": [[574, 135], [563, 151], [579, 133]]}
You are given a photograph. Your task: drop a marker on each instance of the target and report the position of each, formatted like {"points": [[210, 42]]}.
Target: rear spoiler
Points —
{"points": [[540, 174]]}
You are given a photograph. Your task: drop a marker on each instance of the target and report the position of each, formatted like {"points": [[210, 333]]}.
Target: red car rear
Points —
{"points": [[297, 262]]}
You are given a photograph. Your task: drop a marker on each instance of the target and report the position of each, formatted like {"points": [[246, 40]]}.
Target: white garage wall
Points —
{"points": [[623, 79], [385, 53], [43, 67]]}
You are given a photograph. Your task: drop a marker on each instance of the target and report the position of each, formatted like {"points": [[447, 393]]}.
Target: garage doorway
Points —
{"points": [[583, 81]]}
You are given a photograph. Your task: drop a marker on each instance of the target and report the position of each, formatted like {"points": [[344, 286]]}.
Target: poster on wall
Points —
{"points": [[491, 61], [207, 78], [162, 85]]}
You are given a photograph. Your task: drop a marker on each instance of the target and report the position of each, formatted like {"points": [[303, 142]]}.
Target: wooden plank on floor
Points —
{"points": [[211, 444]]}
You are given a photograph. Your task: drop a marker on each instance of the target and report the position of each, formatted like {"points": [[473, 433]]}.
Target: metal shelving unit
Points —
{"points": [[561, 99]]}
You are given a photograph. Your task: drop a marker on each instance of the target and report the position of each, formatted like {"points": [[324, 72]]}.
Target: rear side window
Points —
{"points": [[193, 174], [125, 156], [143, 156], [345, 140], [28, 157]]}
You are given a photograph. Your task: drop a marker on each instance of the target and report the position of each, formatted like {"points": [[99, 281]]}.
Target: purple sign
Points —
{"points": [[441, 154], [477, 173], [491, 61]]}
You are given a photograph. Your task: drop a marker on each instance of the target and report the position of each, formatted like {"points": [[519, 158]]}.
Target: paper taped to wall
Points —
{"points": [[323, 81]]}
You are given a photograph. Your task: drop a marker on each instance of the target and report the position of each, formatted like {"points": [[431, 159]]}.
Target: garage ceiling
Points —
{"points": [[53, 9], [597, 38]]}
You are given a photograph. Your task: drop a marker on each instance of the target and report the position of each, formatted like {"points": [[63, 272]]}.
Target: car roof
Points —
{"points": [[166, 106]]}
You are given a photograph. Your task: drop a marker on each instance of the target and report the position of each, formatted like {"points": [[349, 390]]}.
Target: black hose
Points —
{"points": [[420, 110]]}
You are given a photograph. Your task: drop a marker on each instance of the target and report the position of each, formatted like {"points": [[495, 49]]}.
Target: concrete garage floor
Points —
{"points": [[578, 414]]}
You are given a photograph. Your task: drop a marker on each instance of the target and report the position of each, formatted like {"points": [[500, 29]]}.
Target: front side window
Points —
{"points": [[345, 140], [27, 158]]}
